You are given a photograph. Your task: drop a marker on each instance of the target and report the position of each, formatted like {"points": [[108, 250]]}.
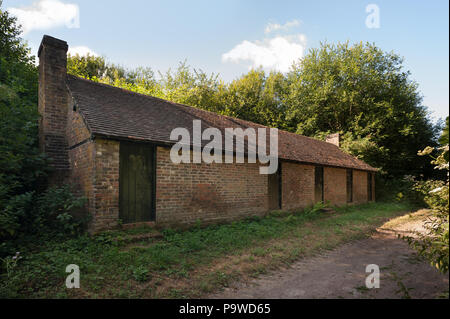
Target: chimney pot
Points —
{"points": [[48, 41], [334, 139]]}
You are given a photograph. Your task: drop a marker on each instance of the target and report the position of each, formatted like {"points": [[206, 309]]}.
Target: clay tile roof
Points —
{"points": [[117, 113]]}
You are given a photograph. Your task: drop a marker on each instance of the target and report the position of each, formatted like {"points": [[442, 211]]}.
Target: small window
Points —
{"points": [[349, 185], [318, 184], [369, 186]]}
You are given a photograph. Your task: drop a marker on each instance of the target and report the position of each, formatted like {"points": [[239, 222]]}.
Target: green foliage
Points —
{"points": [[398, 190], [56, 211], [443, 140], [363, 93], [10, 263], [21, 164], [88, 66], [52, 212], [434, 245], [140, 273], [25, 207], [316, 208]]}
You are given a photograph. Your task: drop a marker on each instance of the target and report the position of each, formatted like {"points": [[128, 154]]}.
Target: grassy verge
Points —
{"points": [[134, 264]]}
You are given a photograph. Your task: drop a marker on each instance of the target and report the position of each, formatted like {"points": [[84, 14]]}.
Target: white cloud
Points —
{"points": [[47, 14], [81, 50], [275, 26], [276, 53]]}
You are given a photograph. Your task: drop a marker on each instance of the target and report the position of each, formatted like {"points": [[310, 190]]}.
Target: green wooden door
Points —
{"points": [[318, 184], [136, 182], [274, 189]]}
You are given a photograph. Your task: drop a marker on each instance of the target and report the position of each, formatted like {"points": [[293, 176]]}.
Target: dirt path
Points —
{"points": [[341, 273]]}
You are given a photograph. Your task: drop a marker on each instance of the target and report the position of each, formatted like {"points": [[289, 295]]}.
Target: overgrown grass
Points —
{"points": [[186, 263]]}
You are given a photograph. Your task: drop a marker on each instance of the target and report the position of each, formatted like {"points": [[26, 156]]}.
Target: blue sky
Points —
{"points": [[228, 37]]}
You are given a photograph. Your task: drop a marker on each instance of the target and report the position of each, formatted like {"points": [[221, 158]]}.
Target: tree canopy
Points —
{"points": [[20, 161], [366, 95], [443, 139]]}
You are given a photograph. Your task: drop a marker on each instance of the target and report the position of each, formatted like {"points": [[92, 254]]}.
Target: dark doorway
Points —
{"points": [[349, 185], [136, 182], [275, 189], [369, 186], [318, 184]]}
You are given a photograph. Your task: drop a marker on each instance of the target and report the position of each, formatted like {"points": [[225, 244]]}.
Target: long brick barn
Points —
{"points": [[113, 146]]}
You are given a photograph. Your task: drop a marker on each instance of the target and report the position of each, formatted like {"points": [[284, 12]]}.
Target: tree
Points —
{"points": [[255, 97], [434, 244], [365, 94], [88, 66], [25, 205], [443, 140], [190, 86], [21, 163]]}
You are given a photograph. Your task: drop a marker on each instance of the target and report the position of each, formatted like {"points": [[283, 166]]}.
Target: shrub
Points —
{"points": [[434, 245], [14, 215], [399, 189], [61, 211], [140, 273], [57, 211]]}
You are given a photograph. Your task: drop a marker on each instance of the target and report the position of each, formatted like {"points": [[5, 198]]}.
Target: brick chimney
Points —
{"points": [[53, 104], [333, 139]]}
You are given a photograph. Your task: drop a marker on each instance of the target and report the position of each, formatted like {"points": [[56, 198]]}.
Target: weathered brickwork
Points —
{"points": [[211, 193], [335, 185], [297, 185], [94, 173], [106, 184], [52, 105], [208, 192], [81, 157], [77, 131], [359, 187], [81, 174]]}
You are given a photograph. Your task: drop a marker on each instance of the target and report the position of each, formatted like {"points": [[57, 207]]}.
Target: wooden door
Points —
{"points": [[136, 182], [274, 191], [318, 184], [349, 185]]}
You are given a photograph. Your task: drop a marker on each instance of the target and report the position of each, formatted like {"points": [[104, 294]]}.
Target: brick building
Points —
{"points": [[113, 146]]}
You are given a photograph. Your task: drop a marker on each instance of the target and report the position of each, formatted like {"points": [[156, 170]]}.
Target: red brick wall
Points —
{"points": [[297, 185], [81, 158], [335, 185], [359, 187], [52, 107], [106, 184], [186, 193], [209, 192], [77, 130]]}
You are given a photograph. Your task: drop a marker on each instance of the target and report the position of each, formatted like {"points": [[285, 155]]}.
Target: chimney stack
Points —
{"points": [[53, 104], [333, 139]]}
